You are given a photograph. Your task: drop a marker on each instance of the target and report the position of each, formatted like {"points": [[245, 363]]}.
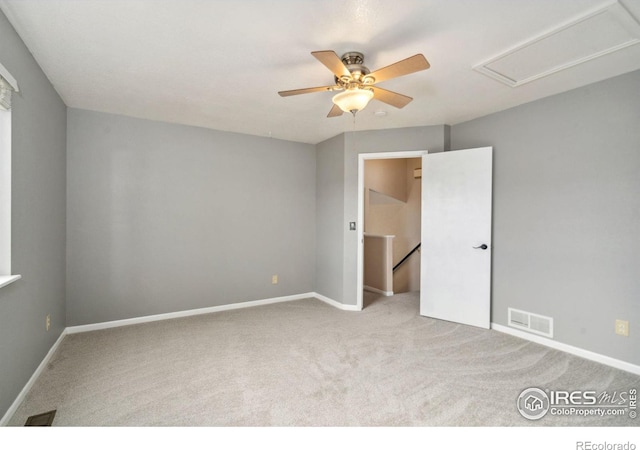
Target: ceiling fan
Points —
{"points": [[358, 83]]}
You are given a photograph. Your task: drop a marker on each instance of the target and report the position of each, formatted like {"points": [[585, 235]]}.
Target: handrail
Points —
{"points": [[407, 257]]}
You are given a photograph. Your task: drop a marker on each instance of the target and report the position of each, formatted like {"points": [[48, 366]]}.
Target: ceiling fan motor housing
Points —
{"points": [[352, 58], [354, 62]]}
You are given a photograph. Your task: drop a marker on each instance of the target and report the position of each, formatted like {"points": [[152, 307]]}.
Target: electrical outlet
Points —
{"points": [[622, 327], [274, 279], [47, 322]]}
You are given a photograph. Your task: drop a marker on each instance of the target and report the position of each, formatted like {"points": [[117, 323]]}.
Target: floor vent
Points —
{"points": [[531, 322], [41, 420]]}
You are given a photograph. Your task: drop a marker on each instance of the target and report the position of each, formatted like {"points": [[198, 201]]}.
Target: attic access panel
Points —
{"points": [[590, 36]]}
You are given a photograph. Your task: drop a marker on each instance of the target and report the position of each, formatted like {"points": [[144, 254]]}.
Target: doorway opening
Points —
{"points": [[389, 211]]}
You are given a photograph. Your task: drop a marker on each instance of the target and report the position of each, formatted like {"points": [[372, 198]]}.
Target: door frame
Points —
{"points": [[362, 157]]}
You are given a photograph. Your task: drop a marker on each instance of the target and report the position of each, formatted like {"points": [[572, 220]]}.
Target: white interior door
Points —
{"points": [[455, 274]]}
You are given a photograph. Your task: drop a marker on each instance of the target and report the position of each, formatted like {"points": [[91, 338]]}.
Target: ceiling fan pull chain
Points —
{"points": [[353, 136]]}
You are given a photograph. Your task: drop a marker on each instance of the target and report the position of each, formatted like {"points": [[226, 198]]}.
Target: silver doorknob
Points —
{"points": [[482, 247]]}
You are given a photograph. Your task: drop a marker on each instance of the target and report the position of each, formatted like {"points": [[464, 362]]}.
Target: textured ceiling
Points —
{"points": [[219, 63]]}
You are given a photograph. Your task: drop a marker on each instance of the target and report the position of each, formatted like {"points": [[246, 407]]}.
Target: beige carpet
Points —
{"points": [[307, 363]]}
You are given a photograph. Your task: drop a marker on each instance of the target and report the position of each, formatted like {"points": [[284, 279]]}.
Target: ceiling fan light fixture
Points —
{"points": [[353, 100]]}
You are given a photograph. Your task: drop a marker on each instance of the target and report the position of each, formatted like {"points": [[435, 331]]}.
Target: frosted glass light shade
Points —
{"points": [[353, 100]]}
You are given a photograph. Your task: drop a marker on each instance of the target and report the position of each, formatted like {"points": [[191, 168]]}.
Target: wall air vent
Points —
{"points": [[531, 322], [606, 30]]}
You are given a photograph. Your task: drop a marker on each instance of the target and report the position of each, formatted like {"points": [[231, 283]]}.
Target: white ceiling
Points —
{"points": [[219, 63]]}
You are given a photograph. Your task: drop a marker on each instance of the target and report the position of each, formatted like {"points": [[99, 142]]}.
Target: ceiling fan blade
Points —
{"points": [[306, 90], [332, 62], [335, 111], [390, 98], [413, 64]]}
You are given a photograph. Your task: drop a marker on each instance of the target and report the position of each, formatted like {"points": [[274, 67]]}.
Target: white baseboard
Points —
{"points": [[208, 310], [187, 313], [25, 390], [586, 354], [378, 291], [336, 304]]}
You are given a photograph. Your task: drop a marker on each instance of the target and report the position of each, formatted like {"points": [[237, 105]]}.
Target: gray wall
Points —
{"points": [[337, 197], [38, 220], [566, 224], [330, 217], [165, 218]]}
